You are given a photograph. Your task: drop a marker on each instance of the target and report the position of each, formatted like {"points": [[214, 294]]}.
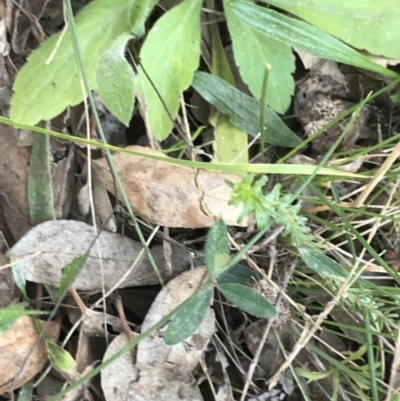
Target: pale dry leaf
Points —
{"points": [[60, 241], [14, 183], [167, 194], [116, 377], [15, 344], [153, 350]]}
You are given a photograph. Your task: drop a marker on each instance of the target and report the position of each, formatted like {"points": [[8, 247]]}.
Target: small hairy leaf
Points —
{"points": [[217, 248], [252, 59], [188, 318], [238, 274], [248, 300], [304, 36], [50, 81], [70, 274], [116, 81], [26, 391], [243, 110], [9, 315], [366, 25], [18, 275], [315, 259], [40, 183], [61, 359], [170, 66]]}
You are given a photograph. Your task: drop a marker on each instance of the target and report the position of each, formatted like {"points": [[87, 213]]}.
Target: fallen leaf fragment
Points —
{"points": [[60, 241], [15, 344], [168, 194]]}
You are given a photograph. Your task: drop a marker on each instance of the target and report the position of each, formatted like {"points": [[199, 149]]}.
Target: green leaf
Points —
{"points": [[43, 89], [18, 275], [217, 248], [69, 274], [238, 274], [40, 184], [315, 259], [367, 24], [251, 60], [188, 318], [248, 300], [169, 56], [9, 315], [61, 359], [26, 391], [304, 36], [116, 81], [243, 110]]}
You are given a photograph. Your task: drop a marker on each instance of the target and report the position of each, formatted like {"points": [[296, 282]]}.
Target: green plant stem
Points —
{"points": [[263, 105], [78, 55]]}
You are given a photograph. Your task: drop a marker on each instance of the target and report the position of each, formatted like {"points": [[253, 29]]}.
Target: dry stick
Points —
{"points": [[379, 175]]}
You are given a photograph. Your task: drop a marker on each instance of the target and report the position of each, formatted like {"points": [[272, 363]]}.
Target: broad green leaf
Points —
{"points": [[248, 300], [61, 359], [315, 259], [304, 36], [243, 110], [26, 391], [217, 248], [9, 315], [188, 318], [368, 24], [238, 274], [18, 275], [116, 81], [40, 183], [168, 58], [45, 86], [230, 143], [69, 274], [253, 49]]}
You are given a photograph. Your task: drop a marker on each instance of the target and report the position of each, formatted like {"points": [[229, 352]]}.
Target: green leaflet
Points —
{"points": [[304, 36], [251, 60], [9, 315], [368, 24], [189, 317], [116, 81], [248, 300], [43, 90], [170, 66], [243, 110], [315, 259], [40, 184], [61, 359], [217, 249]]}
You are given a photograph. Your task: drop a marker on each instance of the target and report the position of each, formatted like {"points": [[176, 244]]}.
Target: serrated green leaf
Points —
{"points": [[169, 66], [243, 110], [248, 300], [18, 275], [238, 274], [40, 183], [61, 359], [9, 315], [251, 60], [315, 259], [188, 318], [367, 24], [42, 89], [116, 81], [303, 36], [69, 274], [217, 248]]}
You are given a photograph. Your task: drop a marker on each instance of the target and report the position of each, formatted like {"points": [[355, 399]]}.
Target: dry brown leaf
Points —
{"points": [[15, 344], [166, 194], [60, 241], [14, 183], [153, 350]]}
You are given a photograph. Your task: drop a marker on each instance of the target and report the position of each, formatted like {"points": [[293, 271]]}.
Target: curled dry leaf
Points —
{"points": [[161, 371], [60, 241], [15, 344], [167, 194]]}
